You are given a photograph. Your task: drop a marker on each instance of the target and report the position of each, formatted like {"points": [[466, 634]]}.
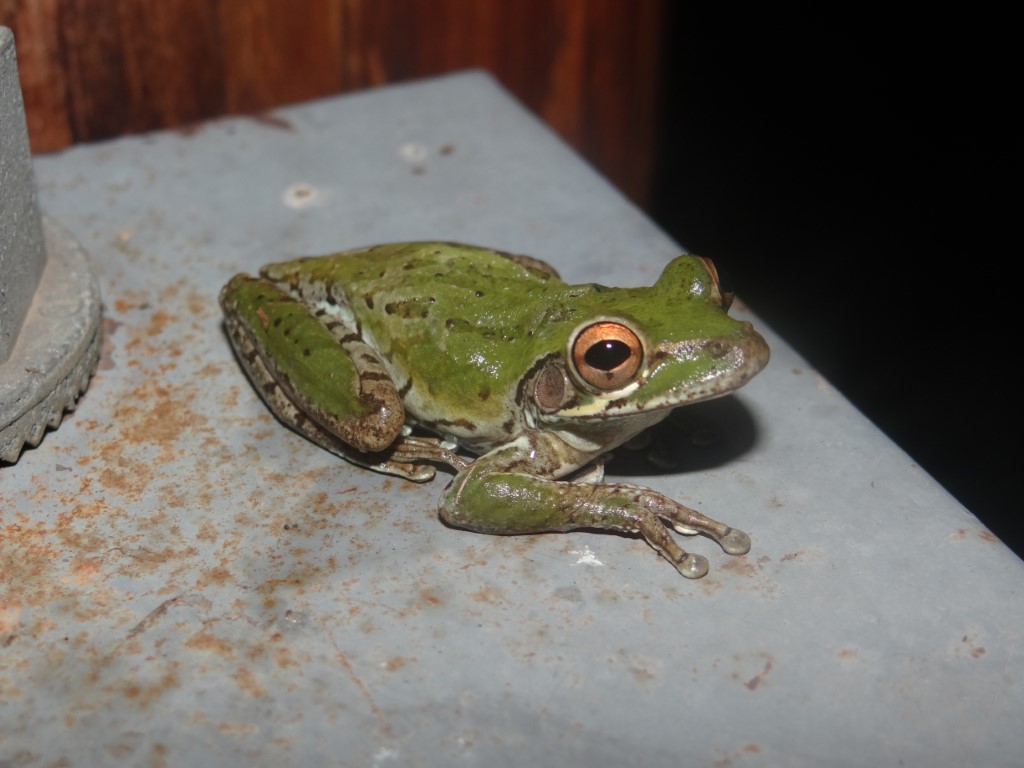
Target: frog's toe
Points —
{"points": [[418, 473], [735, 542], [692, 566]]}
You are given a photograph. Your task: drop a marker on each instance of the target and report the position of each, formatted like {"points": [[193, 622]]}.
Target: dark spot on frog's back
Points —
{"points": [[368, 300], [484, 393]]}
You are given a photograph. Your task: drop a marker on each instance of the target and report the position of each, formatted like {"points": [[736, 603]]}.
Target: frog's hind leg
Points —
{"points": [[508, 502], [323, 381]]}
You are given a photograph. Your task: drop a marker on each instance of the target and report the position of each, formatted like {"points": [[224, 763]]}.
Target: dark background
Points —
{"points": [[856, 174]]}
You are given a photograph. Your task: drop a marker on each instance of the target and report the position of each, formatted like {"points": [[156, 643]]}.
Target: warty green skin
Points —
{"points": [[474, 345]]}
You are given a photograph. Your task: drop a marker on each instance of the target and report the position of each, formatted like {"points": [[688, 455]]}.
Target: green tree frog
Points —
{"points": [[397, 356]]}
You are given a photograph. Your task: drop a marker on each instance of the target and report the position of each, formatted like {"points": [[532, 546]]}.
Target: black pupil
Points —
{"points": [[607, 355]]}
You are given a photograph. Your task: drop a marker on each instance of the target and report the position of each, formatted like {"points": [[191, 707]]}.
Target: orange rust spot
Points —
{"points": [[10, 616], [207, 532], [218, 575], [208, 371], [197, 304], [986, 536], [743, 566], [247, 682], [131, 301], [145, 694], [397, 662], [283, 657], [204, 641], [487, 595], [430, 597], [159, 321], [84, 570]]}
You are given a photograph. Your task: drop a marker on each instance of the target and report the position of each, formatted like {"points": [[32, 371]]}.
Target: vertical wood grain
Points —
{"points": [[94, 69], [41, 70], [279, 52]]}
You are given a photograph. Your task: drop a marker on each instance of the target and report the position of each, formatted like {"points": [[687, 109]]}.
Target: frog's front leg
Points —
{"points": [[319, 377], [489, 498]]}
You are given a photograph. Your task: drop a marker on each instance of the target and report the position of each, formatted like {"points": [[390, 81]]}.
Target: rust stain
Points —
{"points": [[205, 641], [397, 662], [970, 646], [142, 694], [198, 304], [159, 321], [489, 595], [755, 682], [745, 565], [131, 301], [246, 681], [343, 659], [431, 597]]}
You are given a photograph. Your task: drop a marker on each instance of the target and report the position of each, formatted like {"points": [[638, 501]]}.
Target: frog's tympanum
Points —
{"points": [[368, 352]]}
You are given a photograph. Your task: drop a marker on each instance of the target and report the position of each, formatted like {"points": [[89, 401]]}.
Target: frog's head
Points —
{"points": [[644, 351]]}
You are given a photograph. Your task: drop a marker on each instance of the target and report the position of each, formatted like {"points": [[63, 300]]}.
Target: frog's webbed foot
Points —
{"points": [[402, 457], [649, 508]]}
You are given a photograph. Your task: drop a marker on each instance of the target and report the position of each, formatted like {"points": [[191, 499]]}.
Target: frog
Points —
{"points": [[409, 357]]}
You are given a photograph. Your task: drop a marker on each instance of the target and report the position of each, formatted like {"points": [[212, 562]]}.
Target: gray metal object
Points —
{"points": [[183, 580], [22, 254], [49, 299]]}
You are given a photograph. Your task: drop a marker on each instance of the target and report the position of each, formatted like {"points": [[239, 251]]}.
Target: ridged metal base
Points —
{"points": [[57, 350]]}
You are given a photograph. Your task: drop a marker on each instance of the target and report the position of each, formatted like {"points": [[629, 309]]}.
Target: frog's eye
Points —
{"points": [[721, 282], [607, 355]]}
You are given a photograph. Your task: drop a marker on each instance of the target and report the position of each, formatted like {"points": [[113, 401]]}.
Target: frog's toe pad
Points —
{"points": [[692, 566], [735, 542]]}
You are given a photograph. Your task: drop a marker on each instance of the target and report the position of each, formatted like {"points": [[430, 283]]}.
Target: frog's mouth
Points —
{"points": [[677, 373]]}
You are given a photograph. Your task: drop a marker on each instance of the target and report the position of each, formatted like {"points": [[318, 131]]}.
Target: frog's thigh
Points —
{"points": [[323, 369], [511, 503]]}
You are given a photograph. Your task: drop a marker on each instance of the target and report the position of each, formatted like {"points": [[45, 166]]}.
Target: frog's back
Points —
{"points": [[405, 267]]}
